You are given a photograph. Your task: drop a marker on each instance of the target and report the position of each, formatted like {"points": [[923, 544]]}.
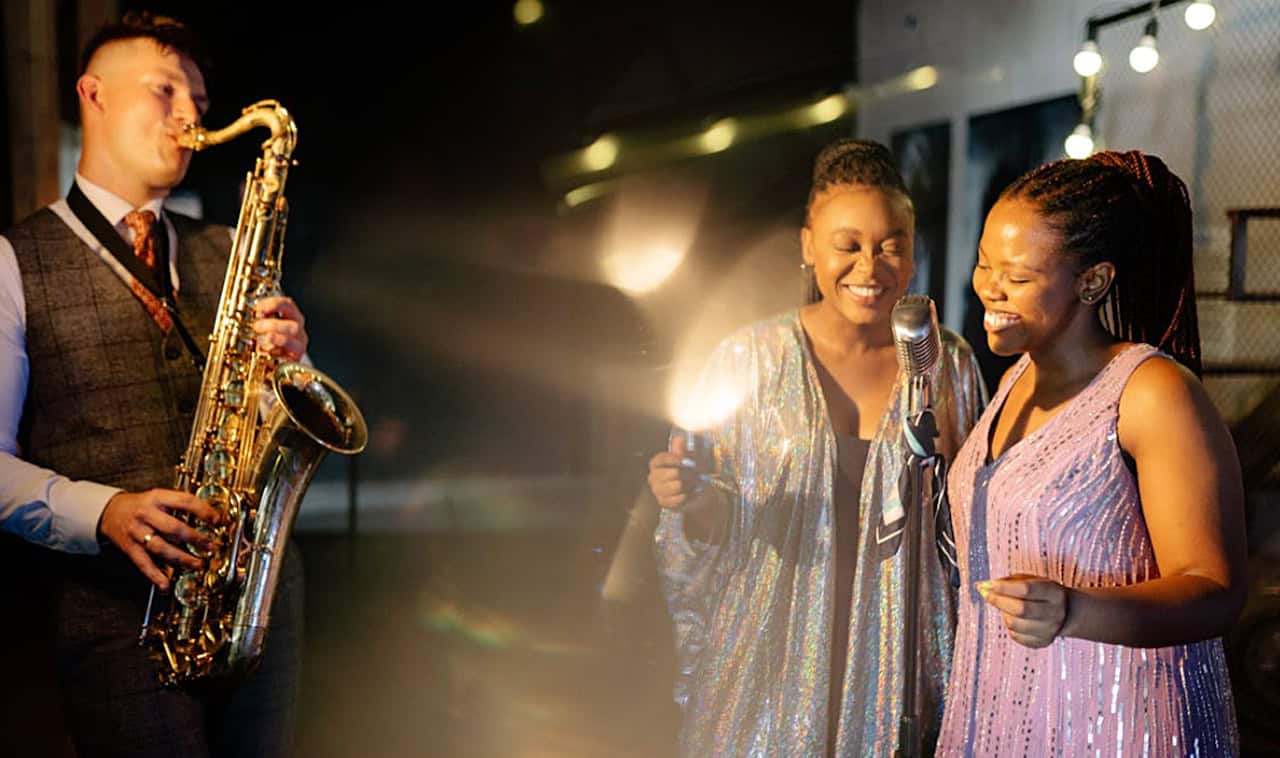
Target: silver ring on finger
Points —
{"points": [[147, 540]]}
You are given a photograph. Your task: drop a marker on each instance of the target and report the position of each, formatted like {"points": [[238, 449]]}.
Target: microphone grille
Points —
{"points": [[915, 333]]}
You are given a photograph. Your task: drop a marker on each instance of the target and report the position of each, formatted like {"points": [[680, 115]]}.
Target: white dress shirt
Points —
{"points": [[37, 504]]}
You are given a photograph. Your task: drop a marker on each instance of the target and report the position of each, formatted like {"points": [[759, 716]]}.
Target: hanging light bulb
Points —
{"points": [[1144, 57], [1079, 143], [1200, 14], [1088, 60]]}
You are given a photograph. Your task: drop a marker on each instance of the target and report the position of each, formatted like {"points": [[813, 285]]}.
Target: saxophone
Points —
{"points": [[252, 470]]}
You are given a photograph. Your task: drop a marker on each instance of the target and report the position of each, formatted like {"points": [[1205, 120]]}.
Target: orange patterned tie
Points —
{"points": [[144, 246], [144, 242]]}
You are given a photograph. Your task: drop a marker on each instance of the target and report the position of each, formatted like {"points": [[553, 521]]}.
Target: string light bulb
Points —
{"points": [[1088, 60], [1200, 15], [527, 12], [601, 154], [719, 136], [1144, 56], [1079, 143]]}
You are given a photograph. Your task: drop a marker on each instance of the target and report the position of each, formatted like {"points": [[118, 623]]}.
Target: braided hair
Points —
{"points": [[1131, 210], [851, 161]]}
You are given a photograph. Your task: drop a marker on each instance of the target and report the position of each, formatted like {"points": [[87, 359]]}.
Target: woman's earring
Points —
{"points": [[811, 294]]}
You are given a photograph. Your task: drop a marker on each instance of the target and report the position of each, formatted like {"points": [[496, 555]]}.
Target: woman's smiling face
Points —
{"points": [[859, 241], [1026, 283]]}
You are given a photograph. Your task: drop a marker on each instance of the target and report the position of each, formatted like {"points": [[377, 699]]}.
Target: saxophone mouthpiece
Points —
{"points": [[193, 138]]}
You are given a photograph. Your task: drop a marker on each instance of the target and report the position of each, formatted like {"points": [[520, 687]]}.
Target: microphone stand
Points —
{"points": [[919, 430]]}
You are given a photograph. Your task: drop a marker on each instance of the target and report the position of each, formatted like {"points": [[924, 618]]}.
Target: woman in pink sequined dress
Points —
{"points": [[1097, 504]]}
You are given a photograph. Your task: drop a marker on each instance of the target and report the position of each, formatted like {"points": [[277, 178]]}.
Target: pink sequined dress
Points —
{"points": [[1061, 503]]}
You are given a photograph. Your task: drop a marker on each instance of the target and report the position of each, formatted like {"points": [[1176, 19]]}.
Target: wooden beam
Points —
{"points": [[91, 15], [31, 69]]}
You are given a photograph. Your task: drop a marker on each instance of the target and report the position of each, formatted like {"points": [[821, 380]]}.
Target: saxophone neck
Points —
{"points": [[269, 114]]}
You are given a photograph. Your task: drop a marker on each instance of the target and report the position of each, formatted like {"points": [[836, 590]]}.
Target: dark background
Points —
{"points": [[448, 288], [421, 225]]}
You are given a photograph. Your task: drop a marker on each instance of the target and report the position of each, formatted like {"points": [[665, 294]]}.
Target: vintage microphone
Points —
{"points": [[915, 333]]}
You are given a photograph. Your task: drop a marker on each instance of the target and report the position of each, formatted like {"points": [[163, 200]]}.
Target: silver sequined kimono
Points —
{"points": [[753, 613]]}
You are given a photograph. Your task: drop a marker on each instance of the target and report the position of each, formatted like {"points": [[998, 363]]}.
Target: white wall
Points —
{"points": [[1211, 110], [990, 55]]}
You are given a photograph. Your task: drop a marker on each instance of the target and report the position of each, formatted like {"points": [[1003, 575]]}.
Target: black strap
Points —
{"points": [[101, 228], [157, 281]]}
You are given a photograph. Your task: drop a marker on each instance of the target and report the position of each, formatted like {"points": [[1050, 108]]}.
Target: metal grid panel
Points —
{"points": [[1211, 110]]}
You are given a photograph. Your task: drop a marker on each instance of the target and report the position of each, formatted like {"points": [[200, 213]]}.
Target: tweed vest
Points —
{"points": [[110, 398]]}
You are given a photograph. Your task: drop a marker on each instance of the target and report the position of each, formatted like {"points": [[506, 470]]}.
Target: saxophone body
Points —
{"points": [[252, 468]]}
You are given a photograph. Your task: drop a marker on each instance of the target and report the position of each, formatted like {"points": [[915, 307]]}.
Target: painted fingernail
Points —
{"points": [[983, 587]]}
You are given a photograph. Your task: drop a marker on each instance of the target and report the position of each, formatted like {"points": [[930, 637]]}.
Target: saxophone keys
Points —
{"points": [[227, 433], [233, 394], [218, 465], [170, 657], [187, 590], [204, 553], [218, 497]]}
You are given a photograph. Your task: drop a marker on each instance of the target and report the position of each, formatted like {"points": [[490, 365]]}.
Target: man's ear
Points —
{"points": [[89, 89], [806, 245]]}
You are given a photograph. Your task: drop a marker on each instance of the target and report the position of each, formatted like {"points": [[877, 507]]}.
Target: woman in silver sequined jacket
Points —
{"points": [[787, 608]]}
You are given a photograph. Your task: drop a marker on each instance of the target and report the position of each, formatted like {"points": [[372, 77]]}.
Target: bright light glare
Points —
{"points": [[586, 193], [1144, 57], [527, 11], [712, 404], [719, 136], [922, 78], [828, 109], [641, 271], [1088, 61], [1200, 15], [761, 282], [601, 154], [1080, 142]]}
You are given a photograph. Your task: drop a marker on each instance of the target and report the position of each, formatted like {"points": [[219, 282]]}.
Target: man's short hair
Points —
{"points": [[168, 32]]}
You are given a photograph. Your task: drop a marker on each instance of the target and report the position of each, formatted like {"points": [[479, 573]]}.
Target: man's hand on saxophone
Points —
{"points": [[141, 524], [281, 327]]}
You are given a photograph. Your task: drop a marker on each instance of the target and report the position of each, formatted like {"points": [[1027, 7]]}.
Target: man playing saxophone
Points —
{"points": [[97, 390]]}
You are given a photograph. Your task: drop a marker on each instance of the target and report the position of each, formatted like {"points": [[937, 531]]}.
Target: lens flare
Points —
{"points": [[641, 271]]}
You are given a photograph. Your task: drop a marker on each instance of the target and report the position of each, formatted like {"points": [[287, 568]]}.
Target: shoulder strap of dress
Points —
{"points": [[1115, 375]]}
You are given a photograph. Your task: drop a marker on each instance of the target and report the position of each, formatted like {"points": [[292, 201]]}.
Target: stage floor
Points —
{"points": [[448, 643], [478, 644]]}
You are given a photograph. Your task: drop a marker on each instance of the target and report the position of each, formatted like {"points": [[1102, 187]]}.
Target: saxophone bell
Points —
{"points": [[311, 416]]}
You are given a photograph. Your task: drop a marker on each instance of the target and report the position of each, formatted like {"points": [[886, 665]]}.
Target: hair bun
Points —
{"points": [[856, 161], [849, 151]]}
